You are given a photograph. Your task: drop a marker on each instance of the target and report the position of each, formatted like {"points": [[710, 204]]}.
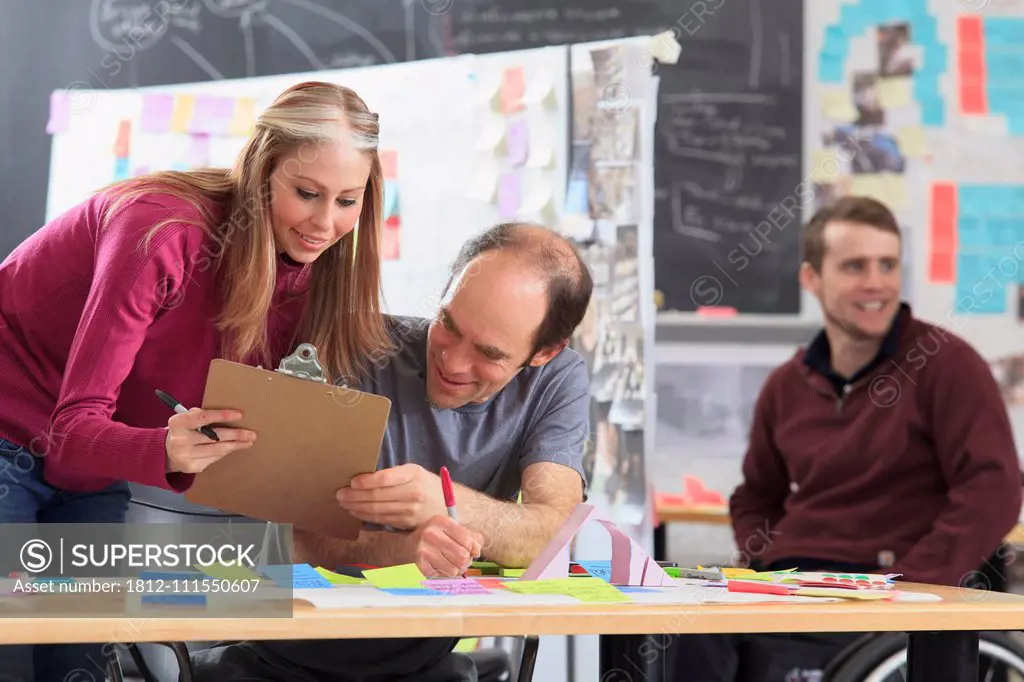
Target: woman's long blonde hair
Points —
{"points": [[342, 317]]}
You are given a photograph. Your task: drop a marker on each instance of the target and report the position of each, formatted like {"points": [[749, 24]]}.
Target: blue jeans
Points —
{"points": [[26, 497]]}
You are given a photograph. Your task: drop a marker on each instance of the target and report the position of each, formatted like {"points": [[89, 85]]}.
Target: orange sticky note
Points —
{"points": [[184, 109], [244, 119], [941, 267], [972, 99], [389, 164], [943, 198], [123, 141], [513, 87], [972, 65]]}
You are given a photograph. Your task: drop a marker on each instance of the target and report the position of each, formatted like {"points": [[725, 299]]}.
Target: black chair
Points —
{"points": [[170, 662]]}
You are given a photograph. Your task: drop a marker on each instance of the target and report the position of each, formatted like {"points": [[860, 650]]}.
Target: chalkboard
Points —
{"points": [[728, 158], [713, 182]]}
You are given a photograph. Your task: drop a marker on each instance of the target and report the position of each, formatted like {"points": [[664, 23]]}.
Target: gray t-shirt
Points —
{"points": [[542, 415]]}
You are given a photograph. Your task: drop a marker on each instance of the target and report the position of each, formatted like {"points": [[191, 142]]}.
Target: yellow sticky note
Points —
{"points": [[227, 572], [868, 185], [406, 575], [244, 119], [738, 572], [826, 166], [836, 103], [894, 189], [184, 109], [511, 572], [868, 595], [912, 142], [584, 589], [338, 579], [894, 93]]}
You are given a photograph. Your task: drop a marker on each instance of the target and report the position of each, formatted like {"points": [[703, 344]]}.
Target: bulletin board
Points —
{"points": [[466, 142]]}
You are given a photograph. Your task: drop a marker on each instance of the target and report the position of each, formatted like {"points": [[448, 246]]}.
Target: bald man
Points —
{"points": [[489, 389]]}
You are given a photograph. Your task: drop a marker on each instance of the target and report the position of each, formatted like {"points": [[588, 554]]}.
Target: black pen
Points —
{"points": [[181, 409]]}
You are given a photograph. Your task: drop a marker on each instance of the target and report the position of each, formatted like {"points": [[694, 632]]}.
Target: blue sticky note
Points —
{"points": [[390, 198], [299, 576], [981, 284], [836, 40], [933, 111], [121, 171], [1015, 125], [971, 232], [830, 68], [634, 588], [1003, 32], [415, 591], [1003, 235], [852, 19], [598, 569]]}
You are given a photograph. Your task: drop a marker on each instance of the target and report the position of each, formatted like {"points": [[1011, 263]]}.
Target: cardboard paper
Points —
{"points": [[311, 440], [553, 560]]}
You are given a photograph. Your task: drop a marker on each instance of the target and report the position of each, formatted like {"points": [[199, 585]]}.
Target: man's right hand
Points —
{"points": [[444, 549], [189, 451]]}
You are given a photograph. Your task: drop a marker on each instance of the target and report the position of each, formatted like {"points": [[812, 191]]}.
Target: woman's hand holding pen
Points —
{"points": [[189, 451]]}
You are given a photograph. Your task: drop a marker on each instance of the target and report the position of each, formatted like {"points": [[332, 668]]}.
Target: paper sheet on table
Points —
{"points": [[584, 589], [405, 575]]}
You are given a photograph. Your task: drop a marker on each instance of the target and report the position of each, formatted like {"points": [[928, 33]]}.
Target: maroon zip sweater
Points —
{"points": [[915, 458]]}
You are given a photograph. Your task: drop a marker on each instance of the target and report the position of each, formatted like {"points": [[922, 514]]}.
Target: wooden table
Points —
{"points": [[943, 636], [719, 516]]}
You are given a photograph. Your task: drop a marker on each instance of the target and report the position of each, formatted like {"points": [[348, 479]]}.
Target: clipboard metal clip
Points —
{"points": [[303, 364]]}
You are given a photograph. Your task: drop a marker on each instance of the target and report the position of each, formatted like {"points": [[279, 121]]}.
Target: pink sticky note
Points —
{"points": [[59, 116], [204, 117], [517, 142], [156, 113], [199, 151], [456, 586], [553, 560], [509, 194]]}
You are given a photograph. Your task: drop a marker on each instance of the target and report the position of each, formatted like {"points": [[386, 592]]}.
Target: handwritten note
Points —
{"points": [[598, 569], [299, 576], [456, 586], [584, 589], [513, 87], [157, 111], [405, 575], [517, 142]]}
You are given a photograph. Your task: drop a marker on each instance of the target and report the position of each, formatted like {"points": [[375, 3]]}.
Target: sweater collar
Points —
{"points": [[818, 354]]}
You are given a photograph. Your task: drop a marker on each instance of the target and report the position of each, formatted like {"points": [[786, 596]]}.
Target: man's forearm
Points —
{"points": [[376, 548], [513, 533]]}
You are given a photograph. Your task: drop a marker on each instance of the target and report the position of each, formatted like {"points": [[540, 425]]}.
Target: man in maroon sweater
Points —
{"points": [[883, 446]]}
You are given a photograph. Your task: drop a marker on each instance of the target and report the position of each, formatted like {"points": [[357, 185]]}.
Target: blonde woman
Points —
{"points": [[139, 287]]}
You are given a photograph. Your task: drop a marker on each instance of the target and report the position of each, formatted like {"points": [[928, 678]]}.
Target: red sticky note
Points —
{"points": [[972, 99], [969, 32], [513, 87], [943, 198], [972, 66], [942, 268], [717, 311], [123, 141]]}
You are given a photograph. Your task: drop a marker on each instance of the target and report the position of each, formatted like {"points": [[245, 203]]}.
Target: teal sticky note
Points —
{"points": [[390, 198], [933, 111], [1003, 33], [598, 569], [972, 200], [415, 592], [299, 576], [971, 232], [853, 19], [981, 284], [836, 40], [121, 171], [830, 67]]}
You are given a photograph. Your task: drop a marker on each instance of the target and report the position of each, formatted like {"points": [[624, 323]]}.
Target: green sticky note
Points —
{"points": [[585, 589], [511, 572], [486, 567], [672, 571], [338, 579], [391, 577], [230, 572]]}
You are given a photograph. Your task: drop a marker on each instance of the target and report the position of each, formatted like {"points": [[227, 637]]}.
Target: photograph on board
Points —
{"points": [[895, 51], [614, 134], [866, 149], [625, 276], [613, 193], [866, 101]]}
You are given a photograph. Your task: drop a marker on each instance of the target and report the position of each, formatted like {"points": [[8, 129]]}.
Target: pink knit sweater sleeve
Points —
{"points": [[130, 282]]}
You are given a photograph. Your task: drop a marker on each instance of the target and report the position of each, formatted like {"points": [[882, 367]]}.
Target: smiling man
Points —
{"points": [[883, 446], [488, 389]]}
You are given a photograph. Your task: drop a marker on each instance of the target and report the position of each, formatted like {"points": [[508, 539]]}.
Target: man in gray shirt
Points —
{"points": [[489, 389]]}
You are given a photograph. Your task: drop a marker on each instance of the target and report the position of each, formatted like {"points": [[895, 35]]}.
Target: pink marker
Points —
{"points": [[449, 494]]}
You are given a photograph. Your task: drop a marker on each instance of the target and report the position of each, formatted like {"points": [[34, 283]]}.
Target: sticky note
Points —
{"points": [[244, 119], [486, 567], [869, 185], [121, 171], [598, 569], [509, 194], [405, 575], [60, 118], [413, 591], [826, 165], [585, 589], [511, 572], [389, 163], [912, 142], [933, 112], [513, 87], [894, 93], [184, 108], [337, 578], [157, 111], [227, 572], [941, 268], [973, 99], [576, 197], [299, 576], [837, 104], [830, 68], [199, 150], [517, 142], [456, 586], [122, 143], [204, 115], [894, 189]]}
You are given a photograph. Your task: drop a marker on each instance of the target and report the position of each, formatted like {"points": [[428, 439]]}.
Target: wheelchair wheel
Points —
{"points": [[884, 659]]}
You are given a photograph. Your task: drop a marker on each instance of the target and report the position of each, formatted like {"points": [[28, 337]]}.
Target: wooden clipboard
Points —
{"points": [[312, 438]]}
